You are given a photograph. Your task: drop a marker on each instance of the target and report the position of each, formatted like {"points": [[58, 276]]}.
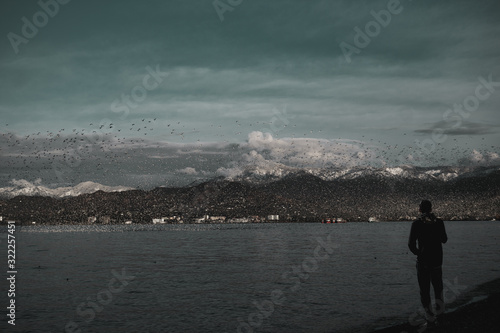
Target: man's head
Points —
{"points": [[425, 206]]}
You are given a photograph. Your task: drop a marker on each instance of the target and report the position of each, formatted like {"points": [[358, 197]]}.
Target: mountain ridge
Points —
{"points": [[25, 188], [254, 176], [300, 197]]}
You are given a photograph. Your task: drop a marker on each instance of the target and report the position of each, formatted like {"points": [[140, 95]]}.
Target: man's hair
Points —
{"points": [[425, 206]]}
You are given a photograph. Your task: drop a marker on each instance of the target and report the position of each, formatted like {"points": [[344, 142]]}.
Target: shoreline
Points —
{"points": [[475, 311], [26, 224]]}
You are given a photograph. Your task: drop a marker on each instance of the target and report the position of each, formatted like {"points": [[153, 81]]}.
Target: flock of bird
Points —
{"points": [[108, 146]]}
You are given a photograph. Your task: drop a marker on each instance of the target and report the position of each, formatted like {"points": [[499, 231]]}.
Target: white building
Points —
{"points": [[209, 219], [217, 218], [199, 220], [238, 220]]}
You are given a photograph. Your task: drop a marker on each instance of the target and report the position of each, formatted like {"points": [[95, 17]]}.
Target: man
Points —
{"points": [[426, 236]]}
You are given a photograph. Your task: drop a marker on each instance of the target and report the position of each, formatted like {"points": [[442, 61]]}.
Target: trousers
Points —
{"points": [[427, 275]]}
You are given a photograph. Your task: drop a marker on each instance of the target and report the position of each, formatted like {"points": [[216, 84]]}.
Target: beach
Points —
{"points": [[465, 314]]}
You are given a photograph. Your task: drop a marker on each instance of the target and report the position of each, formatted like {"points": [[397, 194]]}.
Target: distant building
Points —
{"points": [[172, 219], [168, 219], [91, 219], [333, 220], [210, 219], [199, 220], [238, 220], [128, 222], [216, 219], [273, 217]]}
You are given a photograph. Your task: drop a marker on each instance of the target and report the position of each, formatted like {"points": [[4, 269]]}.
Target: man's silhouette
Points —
{"points": [[426, 236]]}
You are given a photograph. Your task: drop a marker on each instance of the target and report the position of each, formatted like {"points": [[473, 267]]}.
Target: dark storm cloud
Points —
{"points": [[269, 66], [463, 128]]}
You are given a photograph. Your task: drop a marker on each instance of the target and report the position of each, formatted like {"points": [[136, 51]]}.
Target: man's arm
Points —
{"points": [[412, 240], [444, 236]]}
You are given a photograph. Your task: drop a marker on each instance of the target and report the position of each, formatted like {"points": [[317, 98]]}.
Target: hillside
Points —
{"points": [[295, 197]]}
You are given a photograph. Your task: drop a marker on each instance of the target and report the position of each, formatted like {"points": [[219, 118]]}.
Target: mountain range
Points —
{"points": [[458, 193], [261, 175], [23, 187]]}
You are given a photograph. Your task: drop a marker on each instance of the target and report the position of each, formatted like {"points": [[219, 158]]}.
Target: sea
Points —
{"points": [[282, 277]]}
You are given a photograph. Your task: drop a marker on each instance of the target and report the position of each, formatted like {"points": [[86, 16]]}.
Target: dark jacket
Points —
{"points": [[426, 236]]}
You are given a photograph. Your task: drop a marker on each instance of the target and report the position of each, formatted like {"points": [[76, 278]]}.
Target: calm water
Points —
{"points": [[214, 278]]}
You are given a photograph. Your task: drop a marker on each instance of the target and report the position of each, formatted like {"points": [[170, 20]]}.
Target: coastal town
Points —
{"points": [[303, 198]]}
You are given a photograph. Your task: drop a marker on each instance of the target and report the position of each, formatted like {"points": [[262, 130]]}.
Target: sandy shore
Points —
{"points": [[480, 316]]}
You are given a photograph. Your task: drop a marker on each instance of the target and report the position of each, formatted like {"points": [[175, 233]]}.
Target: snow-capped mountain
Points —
{"points": [[259, 174], [23, 187], [355, 194], [262, 174]]}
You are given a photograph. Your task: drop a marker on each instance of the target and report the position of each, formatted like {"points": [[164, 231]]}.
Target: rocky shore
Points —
{"points": [[481, 316]]}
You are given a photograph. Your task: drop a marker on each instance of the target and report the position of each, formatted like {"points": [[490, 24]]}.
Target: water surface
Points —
{"points": [[214, 278]]}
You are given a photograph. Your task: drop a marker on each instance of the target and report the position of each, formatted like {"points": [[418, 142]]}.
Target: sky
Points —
{"points": [[158, 93]]}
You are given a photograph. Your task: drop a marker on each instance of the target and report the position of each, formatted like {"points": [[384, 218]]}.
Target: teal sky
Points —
{"points": [[85, 68]]}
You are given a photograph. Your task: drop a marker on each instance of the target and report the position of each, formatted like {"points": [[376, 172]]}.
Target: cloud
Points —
{"points": [[66, 160], [21, 183], [188, 171], [459, 128], [307, 152], [481, 158]]}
